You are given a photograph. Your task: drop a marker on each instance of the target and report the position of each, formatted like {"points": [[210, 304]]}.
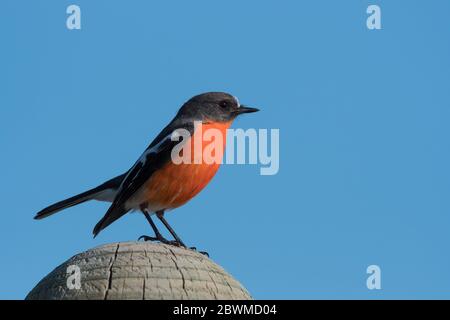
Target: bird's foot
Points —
{"points": [[201, 252], [175, 243], [161, 239]]}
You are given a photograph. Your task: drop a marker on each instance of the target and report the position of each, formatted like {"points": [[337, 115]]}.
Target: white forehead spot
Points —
{"points": [[237, 101]]}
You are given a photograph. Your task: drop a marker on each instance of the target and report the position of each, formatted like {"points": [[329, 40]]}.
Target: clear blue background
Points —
{"points": [[363, 116]]}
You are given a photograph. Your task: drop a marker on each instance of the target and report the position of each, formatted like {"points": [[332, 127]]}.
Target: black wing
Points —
{"points": [[155, 156]]}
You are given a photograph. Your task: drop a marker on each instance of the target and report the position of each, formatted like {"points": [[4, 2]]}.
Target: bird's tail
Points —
{"points": [[67, 203], [92, 194]]}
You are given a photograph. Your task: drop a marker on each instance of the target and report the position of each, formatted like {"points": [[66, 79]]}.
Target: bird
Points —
{"points": [[155, 183]]}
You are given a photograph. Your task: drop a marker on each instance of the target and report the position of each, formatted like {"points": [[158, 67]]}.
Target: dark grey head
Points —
{"points": [[214, 106]]}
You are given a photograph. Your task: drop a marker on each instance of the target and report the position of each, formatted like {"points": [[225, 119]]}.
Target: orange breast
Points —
{"points": [[175, 184]]}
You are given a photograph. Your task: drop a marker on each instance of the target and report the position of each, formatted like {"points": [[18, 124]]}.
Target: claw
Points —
{"points": [[160, 239], [204, 253], [172, 243], [201, 252], [147, 238]]}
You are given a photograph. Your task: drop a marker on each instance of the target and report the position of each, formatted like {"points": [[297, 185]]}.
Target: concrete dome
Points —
{"points": [[138, 270]]}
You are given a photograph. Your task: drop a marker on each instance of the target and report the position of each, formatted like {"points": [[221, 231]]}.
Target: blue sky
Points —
{"points": [[363, 116]]}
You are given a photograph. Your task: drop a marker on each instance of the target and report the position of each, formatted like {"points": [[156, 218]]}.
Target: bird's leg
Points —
{"points": [[160, 215], [158, 236]]}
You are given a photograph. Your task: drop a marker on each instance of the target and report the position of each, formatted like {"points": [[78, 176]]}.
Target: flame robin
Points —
{"points": [[155, 183]]}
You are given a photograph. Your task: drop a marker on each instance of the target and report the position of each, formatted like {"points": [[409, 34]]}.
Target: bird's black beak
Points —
{"points": [[244, 109]]}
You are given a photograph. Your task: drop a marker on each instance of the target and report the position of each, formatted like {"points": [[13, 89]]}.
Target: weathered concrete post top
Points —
{"points": [[138, 270]]}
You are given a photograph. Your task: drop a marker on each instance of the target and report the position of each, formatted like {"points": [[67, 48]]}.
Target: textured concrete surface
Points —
{"points": [[139, 270]]}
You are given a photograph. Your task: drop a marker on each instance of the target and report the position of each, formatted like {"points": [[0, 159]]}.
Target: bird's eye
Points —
{"points": [[224, 104]]}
